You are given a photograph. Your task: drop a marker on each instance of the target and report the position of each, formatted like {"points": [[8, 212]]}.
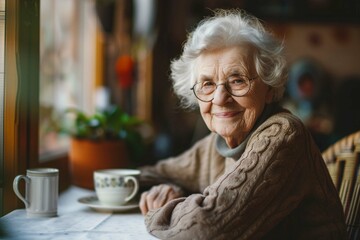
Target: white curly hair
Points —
{"points": [[225, 29]]}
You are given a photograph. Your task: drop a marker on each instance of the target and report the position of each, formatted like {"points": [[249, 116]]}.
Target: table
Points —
{"points": [[75, 221]]}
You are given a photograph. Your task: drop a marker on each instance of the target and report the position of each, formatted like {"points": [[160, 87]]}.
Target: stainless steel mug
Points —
{"points": [[41, 193]]}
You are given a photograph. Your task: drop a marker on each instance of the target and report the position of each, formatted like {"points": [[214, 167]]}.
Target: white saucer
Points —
{"points": [[93, 202]]}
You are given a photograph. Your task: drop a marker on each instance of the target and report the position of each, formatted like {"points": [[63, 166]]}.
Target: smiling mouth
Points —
{"points": [[226, 114]]}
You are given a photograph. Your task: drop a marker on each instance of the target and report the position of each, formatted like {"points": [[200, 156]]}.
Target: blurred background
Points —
{"points": [[105, 52], [99, 53]]}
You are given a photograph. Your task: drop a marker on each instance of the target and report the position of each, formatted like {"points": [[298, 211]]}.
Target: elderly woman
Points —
{"points": [[258, 175]]}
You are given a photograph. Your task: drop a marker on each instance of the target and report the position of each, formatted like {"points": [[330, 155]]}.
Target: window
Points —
{"points": [[67, 72]]}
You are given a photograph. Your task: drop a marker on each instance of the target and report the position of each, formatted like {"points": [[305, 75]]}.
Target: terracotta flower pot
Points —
{"points": [[86, 156]]}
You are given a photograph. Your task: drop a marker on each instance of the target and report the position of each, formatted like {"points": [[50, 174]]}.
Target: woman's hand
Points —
{"points": [[158, 195]]}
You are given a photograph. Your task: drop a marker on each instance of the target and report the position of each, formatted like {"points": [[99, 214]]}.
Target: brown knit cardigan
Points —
{"points": [[278, 189]]}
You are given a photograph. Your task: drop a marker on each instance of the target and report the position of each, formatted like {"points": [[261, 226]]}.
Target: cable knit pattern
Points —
{"points": [[278, 189]]}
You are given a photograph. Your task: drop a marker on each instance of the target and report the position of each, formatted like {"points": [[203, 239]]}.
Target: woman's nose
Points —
{"points": [[221, 95]]}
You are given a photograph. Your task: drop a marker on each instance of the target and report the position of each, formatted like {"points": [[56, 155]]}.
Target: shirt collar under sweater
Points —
{"points": [[236, 152]]}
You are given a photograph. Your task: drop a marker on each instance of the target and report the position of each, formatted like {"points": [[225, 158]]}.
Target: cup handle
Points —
{"points": [[136, 188], [16, 189]]}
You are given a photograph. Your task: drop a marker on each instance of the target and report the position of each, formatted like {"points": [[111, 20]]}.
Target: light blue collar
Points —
{"points": [[236, 152]]}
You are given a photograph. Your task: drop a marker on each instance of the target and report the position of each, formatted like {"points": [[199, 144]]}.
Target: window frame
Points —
{"points": [[2, 72]]}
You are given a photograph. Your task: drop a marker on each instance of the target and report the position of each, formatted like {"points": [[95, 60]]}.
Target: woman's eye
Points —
{"points": [[237, 81], [208, 84]]}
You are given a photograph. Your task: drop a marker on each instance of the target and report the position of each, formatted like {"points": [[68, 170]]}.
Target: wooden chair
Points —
{"points": [[343, 161]]}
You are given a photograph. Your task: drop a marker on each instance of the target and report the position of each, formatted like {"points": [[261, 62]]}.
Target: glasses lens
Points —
{"points": [[204, 90], [238, 86]]}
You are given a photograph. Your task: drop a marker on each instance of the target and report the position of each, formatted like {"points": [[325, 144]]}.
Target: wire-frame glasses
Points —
{"points": [[204, 91]]}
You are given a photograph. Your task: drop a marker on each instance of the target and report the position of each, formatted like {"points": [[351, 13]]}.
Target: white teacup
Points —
{"points": [[116, 186]]}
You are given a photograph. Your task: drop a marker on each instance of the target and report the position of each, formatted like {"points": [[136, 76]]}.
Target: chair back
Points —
{"points": [[343, 160]]}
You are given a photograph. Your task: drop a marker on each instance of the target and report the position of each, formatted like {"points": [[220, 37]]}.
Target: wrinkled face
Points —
{"points": [[231, 117]]}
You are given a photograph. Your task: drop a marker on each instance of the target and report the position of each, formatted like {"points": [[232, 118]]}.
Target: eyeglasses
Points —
{"points": [[238, 87]]}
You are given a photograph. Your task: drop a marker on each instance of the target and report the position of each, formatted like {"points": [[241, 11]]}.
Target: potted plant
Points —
{"points": [[107, 139]]}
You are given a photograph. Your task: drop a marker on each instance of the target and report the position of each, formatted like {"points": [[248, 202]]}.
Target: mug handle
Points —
{"points": [[16, 189], [136, 188]]}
